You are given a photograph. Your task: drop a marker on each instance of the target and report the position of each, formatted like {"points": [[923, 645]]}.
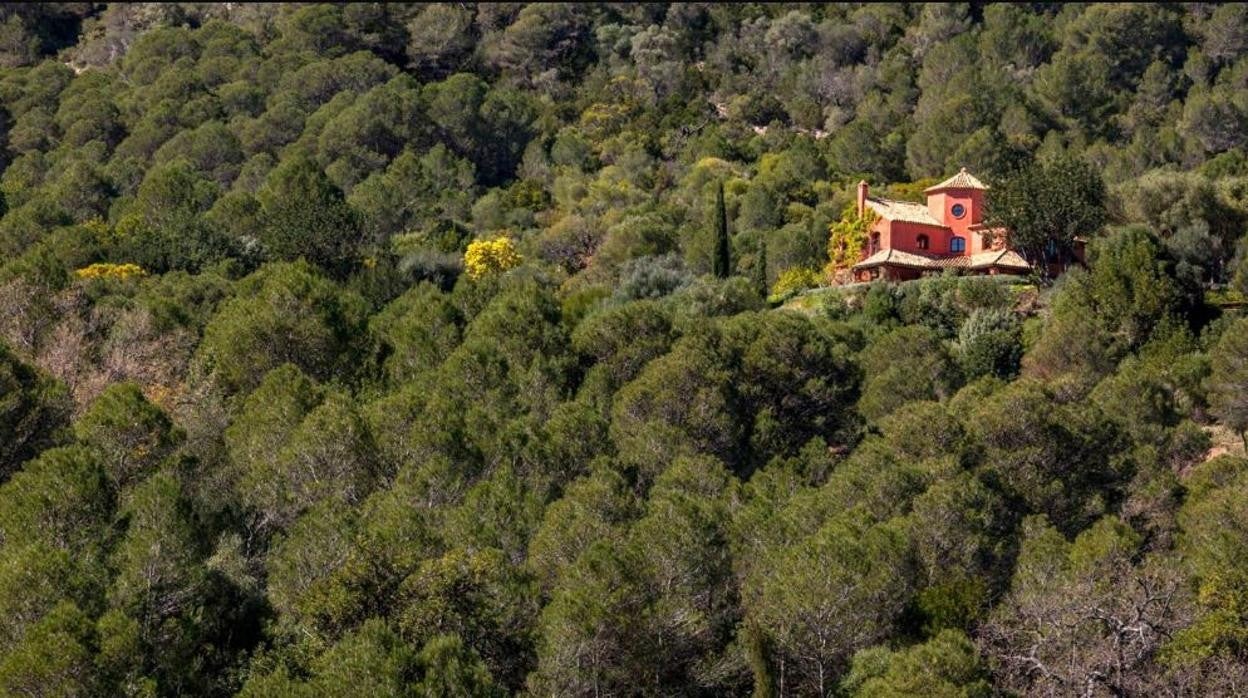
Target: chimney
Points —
{"points": [[862, 198]]}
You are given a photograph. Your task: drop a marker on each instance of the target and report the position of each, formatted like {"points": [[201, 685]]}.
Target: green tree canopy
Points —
{"points": [[1045, 206]]}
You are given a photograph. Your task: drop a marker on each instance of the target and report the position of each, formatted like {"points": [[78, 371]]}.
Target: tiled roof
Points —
{"points": [[961, 180], [1007, 259], [998, 258], [903, 211], [898, 258], [983, 260]]}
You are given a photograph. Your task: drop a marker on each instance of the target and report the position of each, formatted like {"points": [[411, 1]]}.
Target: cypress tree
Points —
{"points": [[721, 258], [757, 649], [760, 270]]}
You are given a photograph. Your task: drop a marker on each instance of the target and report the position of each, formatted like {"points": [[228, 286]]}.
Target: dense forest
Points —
{"points": [[465, 350]]}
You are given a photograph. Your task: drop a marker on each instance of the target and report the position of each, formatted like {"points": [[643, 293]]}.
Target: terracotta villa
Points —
{"points": [[909, 240]]}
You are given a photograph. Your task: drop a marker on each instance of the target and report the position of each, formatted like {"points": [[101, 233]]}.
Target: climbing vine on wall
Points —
{"points": [[848, 237]]}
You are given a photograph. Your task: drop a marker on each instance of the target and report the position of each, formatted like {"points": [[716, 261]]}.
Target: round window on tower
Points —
{"points": [[958, 210]]}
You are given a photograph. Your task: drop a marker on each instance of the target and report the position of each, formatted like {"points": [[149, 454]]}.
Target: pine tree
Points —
{"points": [[1228, 381], [721, 258], [760, 270]]}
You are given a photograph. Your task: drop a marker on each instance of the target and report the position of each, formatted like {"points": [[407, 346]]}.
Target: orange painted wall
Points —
{"points": [[940, 205], [903, 235]]}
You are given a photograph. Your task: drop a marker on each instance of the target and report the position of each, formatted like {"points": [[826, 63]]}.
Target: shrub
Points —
{"points": [[795, 279], [489, 257], [107, 270]]}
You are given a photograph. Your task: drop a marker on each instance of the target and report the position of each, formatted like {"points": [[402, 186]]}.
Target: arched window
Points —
{"points": [[875, 243], [957, 244], [922, 242]]}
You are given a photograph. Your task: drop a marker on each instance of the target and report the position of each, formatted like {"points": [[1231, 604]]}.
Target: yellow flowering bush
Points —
{"points": [[488, 257], [795, 279], [107, 270]]}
